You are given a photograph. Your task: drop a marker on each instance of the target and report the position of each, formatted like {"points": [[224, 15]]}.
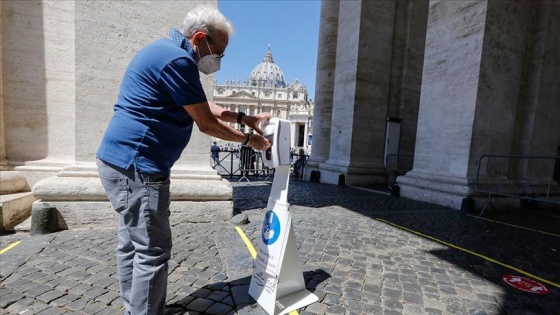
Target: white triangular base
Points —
{"points": [[277, 283]]}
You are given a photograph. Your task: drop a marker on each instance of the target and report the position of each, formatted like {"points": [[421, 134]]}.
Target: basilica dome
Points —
{"points": [[267, 73]]}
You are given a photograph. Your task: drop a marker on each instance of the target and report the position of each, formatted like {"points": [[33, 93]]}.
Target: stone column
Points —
{"points": [[3, 160], [293, 134], [326, 59], [38, 86], [107, 34], [2, 123], [363, 64], [305, 136], [15, 196], [411, 17], [475, 70], [536, 125]]}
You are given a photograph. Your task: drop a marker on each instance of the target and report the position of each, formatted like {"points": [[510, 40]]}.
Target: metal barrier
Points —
{"points": [[226, 164], [532, 179], [251, 163], [243, 163], [297, 165]]}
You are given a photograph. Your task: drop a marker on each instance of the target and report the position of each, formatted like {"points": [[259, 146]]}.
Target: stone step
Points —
{"points": [[15, 208], [24, 226]]}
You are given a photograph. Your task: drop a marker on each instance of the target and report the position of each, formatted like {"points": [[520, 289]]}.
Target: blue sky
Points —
{"points": [[290, 27]]}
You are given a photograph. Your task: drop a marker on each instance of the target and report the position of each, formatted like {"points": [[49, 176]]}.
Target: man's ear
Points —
{"points": [[198, 36]]}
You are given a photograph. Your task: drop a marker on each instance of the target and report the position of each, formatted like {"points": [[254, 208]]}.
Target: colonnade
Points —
{"points": [[466, 78]]}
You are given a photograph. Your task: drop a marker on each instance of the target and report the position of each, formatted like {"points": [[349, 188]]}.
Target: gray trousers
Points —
{"points": [[144, 247]]}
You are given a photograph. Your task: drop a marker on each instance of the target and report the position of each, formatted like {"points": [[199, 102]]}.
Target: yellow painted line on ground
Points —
{"points": [[472, 253], [247, 242], [253, 252], [516, 226], [14, 244]]}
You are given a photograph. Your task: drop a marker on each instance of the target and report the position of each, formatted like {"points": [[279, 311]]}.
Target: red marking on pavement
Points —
{"points": [[525, 284]]}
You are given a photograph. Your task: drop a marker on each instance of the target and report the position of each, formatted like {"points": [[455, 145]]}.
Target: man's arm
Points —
{"points": [[208, 123], [229, 116]]}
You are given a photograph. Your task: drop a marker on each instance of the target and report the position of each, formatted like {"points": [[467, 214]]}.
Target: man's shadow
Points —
{"points": [[229, 297]]}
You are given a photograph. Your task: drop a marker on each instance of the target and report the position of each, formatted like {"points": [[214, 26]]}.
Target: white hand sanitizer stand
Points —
{"points": [[277, 282]]}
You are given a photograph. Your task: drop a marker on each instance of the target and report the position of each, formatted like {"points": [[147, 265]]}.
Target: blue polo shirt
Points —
{"points": [[150, 128]]}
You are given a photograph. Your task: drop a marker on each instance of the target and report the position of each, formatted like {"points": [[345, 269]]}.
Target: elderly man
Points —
{"points": [[160, 99]]}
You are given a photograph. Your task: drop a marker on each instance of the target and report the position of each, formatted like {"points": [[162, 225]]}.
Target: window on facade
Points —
{"points": [[295, 95], [279, 95]]}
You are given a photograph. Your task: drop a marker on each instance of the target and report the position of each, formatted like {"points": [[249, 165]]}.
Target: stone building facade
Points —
{"points": [[464, 78], [266, 90]]}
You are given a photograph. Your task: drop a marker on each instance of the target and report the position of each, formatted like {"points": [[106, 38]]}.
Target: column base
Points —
{"points": [[436, 189], [82, 214], [312, 165], [354, 175], [81, 201]]}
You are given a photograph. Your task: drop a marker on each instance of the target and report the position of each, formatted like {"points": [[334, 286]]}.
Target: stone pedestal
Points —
{"points": [[79, 197]]}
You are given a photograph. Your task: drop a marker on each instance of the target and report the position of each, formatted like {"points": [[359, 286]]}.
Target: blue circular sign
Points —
{"points": [[271, 228]]}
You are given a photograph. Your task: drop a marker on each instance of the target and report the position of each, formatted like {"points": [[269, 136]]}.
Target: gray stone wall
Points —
{"points": [[63, 76], [66, 62], [108, 34]]}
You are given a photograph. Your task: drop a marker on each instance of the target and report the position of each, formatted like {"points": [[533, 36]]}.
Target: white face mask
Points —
{"points": [[209, 63]]}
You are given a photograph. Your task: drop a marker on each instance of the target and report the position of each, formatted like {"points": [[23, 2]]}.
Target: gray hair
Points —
{"points": [[206, 19]]}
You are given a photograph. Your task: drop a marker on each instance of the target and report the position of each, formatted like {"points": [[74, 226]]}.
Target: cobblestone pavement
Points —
{"points": [[361, 252]]}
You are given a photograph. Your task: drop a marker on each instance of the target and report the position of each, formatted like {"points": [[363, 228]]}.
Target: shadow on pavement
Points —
{"points": [[491, 250], [510, 242], [222, 295]]}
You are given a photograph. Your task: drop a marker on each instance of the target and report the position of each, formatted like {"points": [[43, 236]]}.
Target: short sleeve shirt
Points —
{"points": [[150, 128]]}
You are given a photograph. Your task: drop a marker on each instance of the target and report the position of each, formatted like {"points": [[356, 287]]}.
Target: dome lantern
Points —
{"points": [[267, 73]]}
